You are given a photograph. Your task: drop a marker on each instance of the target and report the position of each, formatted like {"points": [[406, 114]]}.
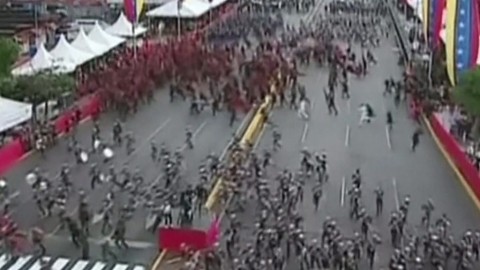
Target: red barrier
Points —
{"points": [[10, 154], [177, 239], [88, 106], [213, 233], [458, 156]]}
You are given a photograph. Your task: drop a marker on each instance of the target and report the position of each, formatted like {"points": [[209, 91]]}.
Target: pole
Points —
{"points": [[134, 41], [430, 65], [179, 24], [35, 18]]}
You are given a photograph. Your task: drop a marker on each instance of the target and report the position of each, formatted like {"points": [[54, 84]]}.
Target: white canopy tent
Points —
{"points": [[216, 3], [99, 35], [64, 51], [13, 113], [85, 44], [124, 28], [188, 9], [42, 61], [147, 2]]}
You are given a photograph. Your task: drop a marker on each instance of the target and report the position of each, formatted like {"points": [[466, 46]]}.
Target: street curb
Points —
{"points": [[451, 163]]}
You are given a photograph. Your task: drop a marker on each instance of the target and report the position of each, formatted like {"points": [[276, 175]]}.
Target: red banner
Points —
{"points": [[178, 239], [10, 154], [458, 156], [213, 233]]}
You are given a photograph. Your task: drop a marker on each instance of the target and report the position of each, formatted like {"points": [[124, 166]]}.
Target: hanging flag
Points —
{"points": [[433, 12], [133, 9], [462, 37]]}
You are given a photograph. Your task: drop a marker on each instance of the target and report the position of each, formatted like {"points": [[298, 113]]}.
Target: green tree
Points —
{"points": [[37, 89], [467, 93], [9, 52]]}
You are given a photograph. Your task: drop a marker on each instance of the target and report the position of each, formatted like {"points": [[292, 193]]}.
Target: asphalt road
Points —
{"points": [[385, 159], [161, 121]]}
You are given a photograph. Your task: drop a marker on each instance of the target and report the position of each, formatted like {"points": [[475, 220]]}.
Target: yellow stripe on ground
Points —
{"points": [[450, 162], [213, 197], [159, 260]]}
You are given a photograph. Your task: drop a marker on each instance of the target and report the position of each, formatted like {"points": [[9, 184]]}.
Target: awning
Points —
{"points": [[123, 28], [188, 9], [13, 113], [64, 51], [99, 35], [41, 61]]}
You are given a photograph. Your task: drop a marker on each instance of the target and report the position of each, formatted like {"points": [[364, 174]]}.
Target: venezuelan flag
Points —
{"points": [[133, 9], [432, 11], [435, 21], [462, 35]]}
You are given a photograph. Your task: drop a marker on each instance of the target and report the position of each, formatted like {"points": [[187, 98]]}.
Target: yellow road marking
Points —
{"points": [[159, 259], [450, 162]]}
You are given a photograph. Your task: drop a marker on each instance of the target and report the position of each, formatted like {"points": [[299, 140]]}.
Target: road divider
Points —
{"points": [[219, 192]]}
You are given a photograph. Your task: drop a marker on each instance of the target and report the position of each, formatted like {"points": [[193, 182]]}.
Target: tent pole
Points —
{"points": [[134, 41], [179, 26]]}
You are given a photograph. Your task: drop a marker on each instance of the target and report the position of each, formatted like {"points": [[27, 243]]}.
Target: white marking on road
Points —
{"points": [[14, 195], [305, 131], [195, 134], [387, 133], [342, 192], [101, 240], [395, 190], [347, 136], [80, 265], [146, 141], [20, 263], [60, 263], [3, 260], [37, 265], [120, 267], [98, 266]]}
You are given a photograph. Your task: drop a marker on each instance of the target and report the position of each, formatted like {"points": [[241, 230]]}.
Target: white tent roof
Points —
{"points": [[85, 44], [189, 9], [41, 61], [123, 28], [97, 34], [147, 2], [64, 51], [13, 113], [216, 3]]}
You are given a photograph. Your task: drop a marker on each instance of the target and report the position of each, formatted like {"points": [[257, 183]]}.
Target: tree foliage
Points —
{"points": [[467, 91], [37, 88], [9, 52]]}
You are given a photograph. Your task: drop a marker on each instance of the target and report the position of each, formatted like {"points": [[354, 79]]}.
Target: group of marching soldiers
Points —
{"points": [[278, 239], [124, 192]]}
